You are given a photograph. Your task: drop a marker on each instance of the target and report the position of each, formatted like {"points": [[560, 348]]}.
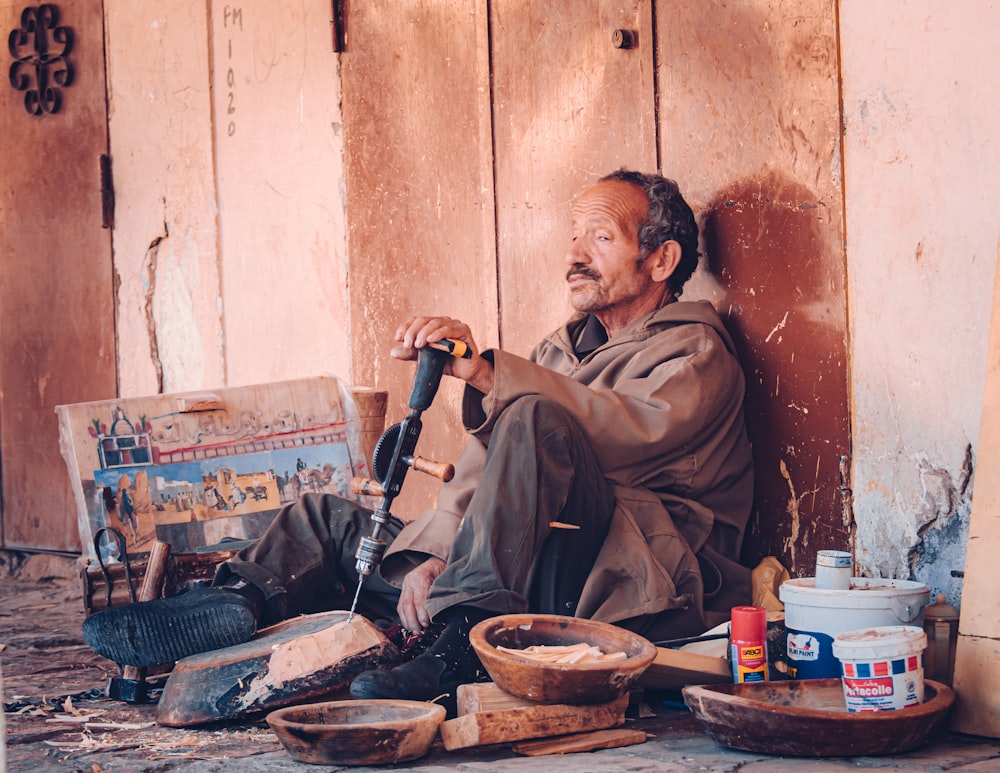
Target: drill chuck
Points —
{"points": [[369, 555]]}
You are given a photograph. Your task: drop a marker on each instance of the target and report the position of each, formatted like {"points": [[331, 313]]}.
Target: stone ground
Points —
{"points": [[44, 660]]}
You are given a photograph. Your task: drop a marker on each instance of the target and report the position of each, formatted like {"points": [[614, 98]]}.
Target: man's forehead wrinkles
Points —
{"points": [[596, 218], [597, 213]]}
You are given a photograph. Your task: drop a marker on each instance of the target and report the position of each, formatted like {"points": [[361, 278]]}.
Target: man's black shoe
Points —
{"points": [[424, 678], [434, 675], [152, 633]]}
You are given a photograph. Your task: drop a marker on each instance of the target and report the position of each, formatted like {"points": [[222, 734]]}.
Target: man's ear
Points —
{"points": [[664, 260]]}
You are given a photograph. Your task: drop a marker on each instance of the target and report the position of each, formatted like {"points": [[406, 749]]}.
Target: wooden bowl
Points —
{"points": [[594, 682], [808, 718], [370, 732]]}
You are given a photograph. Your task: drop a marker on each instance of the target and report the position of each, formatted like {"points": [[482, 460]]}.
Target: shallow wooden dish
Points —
{"points": [[580, 683], [808, 718], [374, 732]]}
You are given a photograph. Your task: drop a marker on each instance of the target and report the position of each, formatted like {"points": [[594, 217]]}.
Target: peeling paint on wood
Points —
{"points": [[150, 263]]}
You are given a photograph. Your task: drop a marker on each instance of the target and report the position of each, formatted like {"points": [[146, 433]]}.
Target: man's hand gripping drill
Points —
{"points": [[394, 453]]}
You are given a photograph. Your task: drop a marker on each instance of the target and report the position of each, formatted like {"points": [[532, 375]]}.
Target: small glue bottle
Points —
{"points": [[748, 644]]}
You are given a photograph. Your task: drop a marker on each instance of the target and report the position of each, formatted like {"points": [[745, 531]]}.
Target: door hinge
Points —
{"points": [[337, 24], [107, 193]]}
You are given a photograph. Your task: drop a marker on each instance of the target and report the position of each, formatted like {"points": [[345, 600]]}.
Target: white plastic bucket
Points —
{"points": [[813, 616], [883, 668]]}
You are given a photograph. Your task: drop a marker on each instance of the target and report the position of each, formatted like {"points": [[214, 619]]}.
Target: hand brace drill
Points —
{"points": [[394, 454]]}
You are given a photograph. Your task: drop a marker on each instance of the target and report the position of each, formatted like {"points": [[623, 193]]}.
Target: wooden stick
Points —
{"points": [[581, 742]]}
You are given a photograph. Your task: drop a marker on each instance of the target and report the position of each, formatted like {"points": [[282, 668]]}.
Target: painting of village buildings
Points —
{"points": [[197, 470]]}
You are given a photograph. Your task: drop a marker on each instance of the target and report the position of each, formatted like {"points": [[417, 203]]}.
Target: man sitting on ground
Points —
{"points": [[626, 423]]}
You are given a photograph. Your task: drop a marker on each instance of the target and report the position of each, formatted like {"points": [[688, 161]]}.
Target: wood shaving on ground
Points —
{"points": [[118, 725], [191, 746], [75, 718], [565, 653]]}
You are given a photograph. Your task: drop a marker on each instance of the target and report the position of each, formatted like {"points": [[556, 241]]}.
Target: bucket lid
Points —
{"points": [[888, 641], [864, 593]]}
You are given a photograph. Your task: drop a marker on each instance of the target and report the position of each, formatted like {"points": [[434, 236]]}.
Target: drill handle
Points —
{"points": [[430, 367], [443, 471]]}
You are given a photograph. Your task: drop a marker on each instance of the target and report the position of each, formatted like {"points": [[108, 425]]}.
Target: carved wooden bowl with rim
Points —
{"points": [[357, 732], [809, 718], [546, 682]]}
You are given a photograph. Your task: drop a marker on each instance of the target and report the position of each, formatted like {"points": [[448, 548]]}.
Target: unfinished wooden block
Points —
{"points": [[674, 669], [486, 696], [535, 721], [293, 662]]}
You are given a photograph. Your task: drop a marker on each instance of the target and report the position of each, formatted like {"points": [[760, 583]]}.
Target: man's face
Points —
{"points": [[603, 275]]}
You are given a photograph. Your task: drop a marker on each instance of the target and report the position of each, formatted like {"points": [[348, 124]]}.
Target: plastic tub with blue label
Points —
{"points": [[814, 616]]}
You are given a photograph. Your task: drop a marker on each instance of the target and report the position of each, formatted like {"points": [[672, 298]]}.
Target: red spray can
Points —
{"points": [[748, 644]]}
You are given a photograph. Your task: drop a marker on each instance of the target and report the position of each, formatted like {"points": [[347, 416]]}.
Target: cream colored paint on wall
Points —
{"points": [[164, 239], [923, 205], [278, 146], [977, 678]]}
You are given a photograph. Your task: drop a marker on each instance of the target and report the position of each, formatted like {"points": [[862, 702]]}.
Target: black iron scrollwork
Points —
{"points": [[41, 66]]}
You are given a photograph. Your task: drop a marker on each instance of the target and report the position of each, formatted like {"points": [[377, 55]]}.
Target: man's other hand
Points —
{"points": [[417, 332], [412, 607]]}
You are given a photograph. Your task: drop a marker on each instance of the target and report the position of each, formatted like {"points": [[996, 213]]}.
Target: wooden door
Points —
{"points": [[733, 101], [57, 342], [279, 179], [422, 140]]}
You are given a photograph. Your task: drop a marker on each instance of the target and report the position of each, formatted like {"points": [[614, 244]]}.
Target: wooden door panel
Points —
{"points": [[569, 107], [281, 217], [749, 125], [57, 341], [420, 197], [167, 248]]}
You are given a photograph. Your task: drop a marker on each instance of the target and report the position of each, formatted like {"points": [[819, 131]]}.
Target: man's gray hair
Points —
{"points": [[669, 218]]}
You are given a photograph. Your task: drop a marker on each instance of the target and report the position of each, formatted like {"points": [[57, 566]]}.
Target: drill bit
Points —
{"points": [[357, 593]]}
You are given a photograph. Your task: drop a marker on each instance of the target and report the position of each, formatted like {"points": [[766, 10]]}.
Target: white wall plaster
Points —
{"points": [[922, 204]]}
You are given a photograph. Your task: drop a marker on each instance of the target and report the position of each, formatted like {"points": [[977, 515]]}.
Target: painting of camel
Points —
{"points": [[199, 468]]}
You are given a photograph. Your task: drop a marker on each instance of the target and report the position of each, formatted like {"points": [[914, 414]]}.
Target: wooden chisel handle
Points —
{"points": [[152, 585]]}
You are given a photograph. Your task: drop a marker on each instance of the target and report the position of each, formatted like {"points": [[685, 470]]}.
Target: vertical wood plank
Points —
{"points": [[419, 180], [165, 237], [749, 126], [57, 341], [279, 169], [569, 107]]}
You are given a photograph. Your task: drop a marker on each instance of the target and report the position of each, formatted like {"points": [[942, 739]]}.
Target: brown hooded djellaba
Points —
{"points": [[662, 405]]}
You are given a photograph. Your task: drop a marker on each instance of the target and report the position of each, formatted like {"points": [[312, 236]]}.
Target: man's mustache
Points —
{"points": [[581, 270]]}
